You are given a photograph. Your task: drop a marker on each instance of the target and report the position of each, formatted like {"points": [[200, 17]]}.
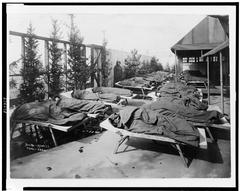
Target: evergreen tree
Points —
{"points": [[31, 88], [155, 65], [145, 68], [54, 69], [167, 69], [79, 70], [132, 64]]}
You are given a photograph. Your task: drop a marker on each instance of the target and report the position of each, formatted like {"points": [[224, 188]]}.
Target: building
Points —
{"points": [[206, 48], [210, 33]]}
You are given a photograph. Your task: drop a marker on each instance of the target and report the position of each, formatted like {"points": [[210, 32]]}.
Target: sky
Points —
{"points": [[151, 34]]}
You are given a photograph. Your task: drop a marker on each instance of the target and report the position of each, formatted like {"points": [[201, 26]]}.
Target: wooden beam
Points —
{"points": [[208, 80], [50, 39], [221, 80], [37, 37]]}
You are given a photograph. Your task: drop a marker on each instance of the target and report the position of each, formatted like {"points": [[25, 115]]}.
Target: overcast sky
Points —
{"points": [[150, 34]]}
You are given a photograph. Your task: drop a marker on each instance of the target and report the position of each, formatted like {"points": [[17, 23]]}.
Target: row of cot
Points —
{"points": [[73, 112]]}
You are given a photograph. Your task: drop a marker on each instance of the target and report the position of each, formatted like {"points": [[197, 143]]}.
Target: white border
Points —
{"points": [[15, 184]]}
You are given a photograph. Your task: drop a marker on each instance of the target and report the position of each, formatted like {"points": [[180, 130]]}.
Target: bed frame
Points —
{"points": [[125, 135], [51, 126]]}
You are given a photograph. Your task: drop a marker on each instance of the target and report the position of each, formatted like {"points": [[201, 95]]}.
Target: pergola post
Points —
{"points": [[99, 64], [208, 80], [23, 52], [92, 67], [175, 65], [46, 60], [65, 64], [221, 80]]}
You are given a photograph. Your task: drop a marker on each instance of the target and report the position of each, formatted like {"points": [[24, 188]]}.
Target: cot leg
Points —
{"points": [[24, 129], [53, 137], [181, 155], [37, 134], [123, 138], [210, 134]]}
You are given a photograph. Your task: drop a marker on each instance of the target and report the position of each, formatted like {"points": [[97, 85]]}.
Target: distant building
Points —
{"points": [[211, 34]]}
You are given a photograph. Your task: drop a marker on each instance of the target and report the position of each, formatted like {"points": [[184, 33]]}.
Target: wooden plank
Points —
{"points": [[203, 138]]}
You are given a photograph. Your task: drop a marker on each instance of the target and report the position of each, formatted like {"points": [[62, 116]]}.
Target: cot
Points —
{"points": [[222, 123], [125, 135], [39, 124]]}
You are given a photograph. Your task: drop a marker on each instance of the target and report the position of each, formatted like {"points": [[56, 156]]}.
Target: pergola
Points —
{"points": [[96, 54]]}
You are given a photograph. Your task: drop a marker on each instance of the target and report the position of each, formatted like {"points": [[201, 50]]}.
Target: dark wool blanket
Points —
{"points": [[186, 108], [63, 112], [142, 120]]}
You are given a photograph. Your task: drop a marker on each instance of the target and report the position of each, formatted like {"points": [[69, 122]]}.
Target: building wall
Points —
{"points": [[202, 67]]}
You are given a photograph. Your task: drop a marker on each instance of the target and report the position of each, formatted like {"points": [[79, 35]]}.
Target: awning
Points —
{"points": [[217, 49], [199, 46]]}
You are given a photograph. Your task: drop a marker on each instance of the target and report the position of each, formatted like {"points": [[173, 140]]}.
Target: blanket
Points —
{"points": [[64, 112], [91, 96], [177, 89], [110, 90], [186, 108], [143, 120]]}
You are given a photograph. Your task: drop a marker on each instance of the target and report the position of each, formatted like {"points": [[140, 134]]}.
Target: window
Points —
{"points": [[191, 59], [185, 59], [215, 58]]}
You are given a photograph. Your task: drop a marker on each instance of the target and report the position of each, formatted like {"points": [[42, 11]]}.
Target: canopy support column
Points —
{"points": [[221, 80], [65, 64], [175, 65], [208, 80]]}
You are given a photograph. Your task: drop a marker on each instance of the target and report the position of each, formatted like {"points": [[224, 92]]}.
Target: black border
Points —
{"points": [[4, 85]]}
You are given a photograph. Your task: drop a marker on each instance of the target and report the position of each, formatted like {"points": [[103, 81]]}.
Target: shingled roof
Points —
{"points": [[206, 35]]}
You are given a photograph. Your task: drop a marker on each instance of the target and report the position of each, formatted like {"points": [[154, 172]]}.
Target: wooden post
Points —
{"points": [[99, 64], [175, 65], [221, 80], [23, 52], [208, 80], [65, 64], [46, 60], [92, 67]]}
